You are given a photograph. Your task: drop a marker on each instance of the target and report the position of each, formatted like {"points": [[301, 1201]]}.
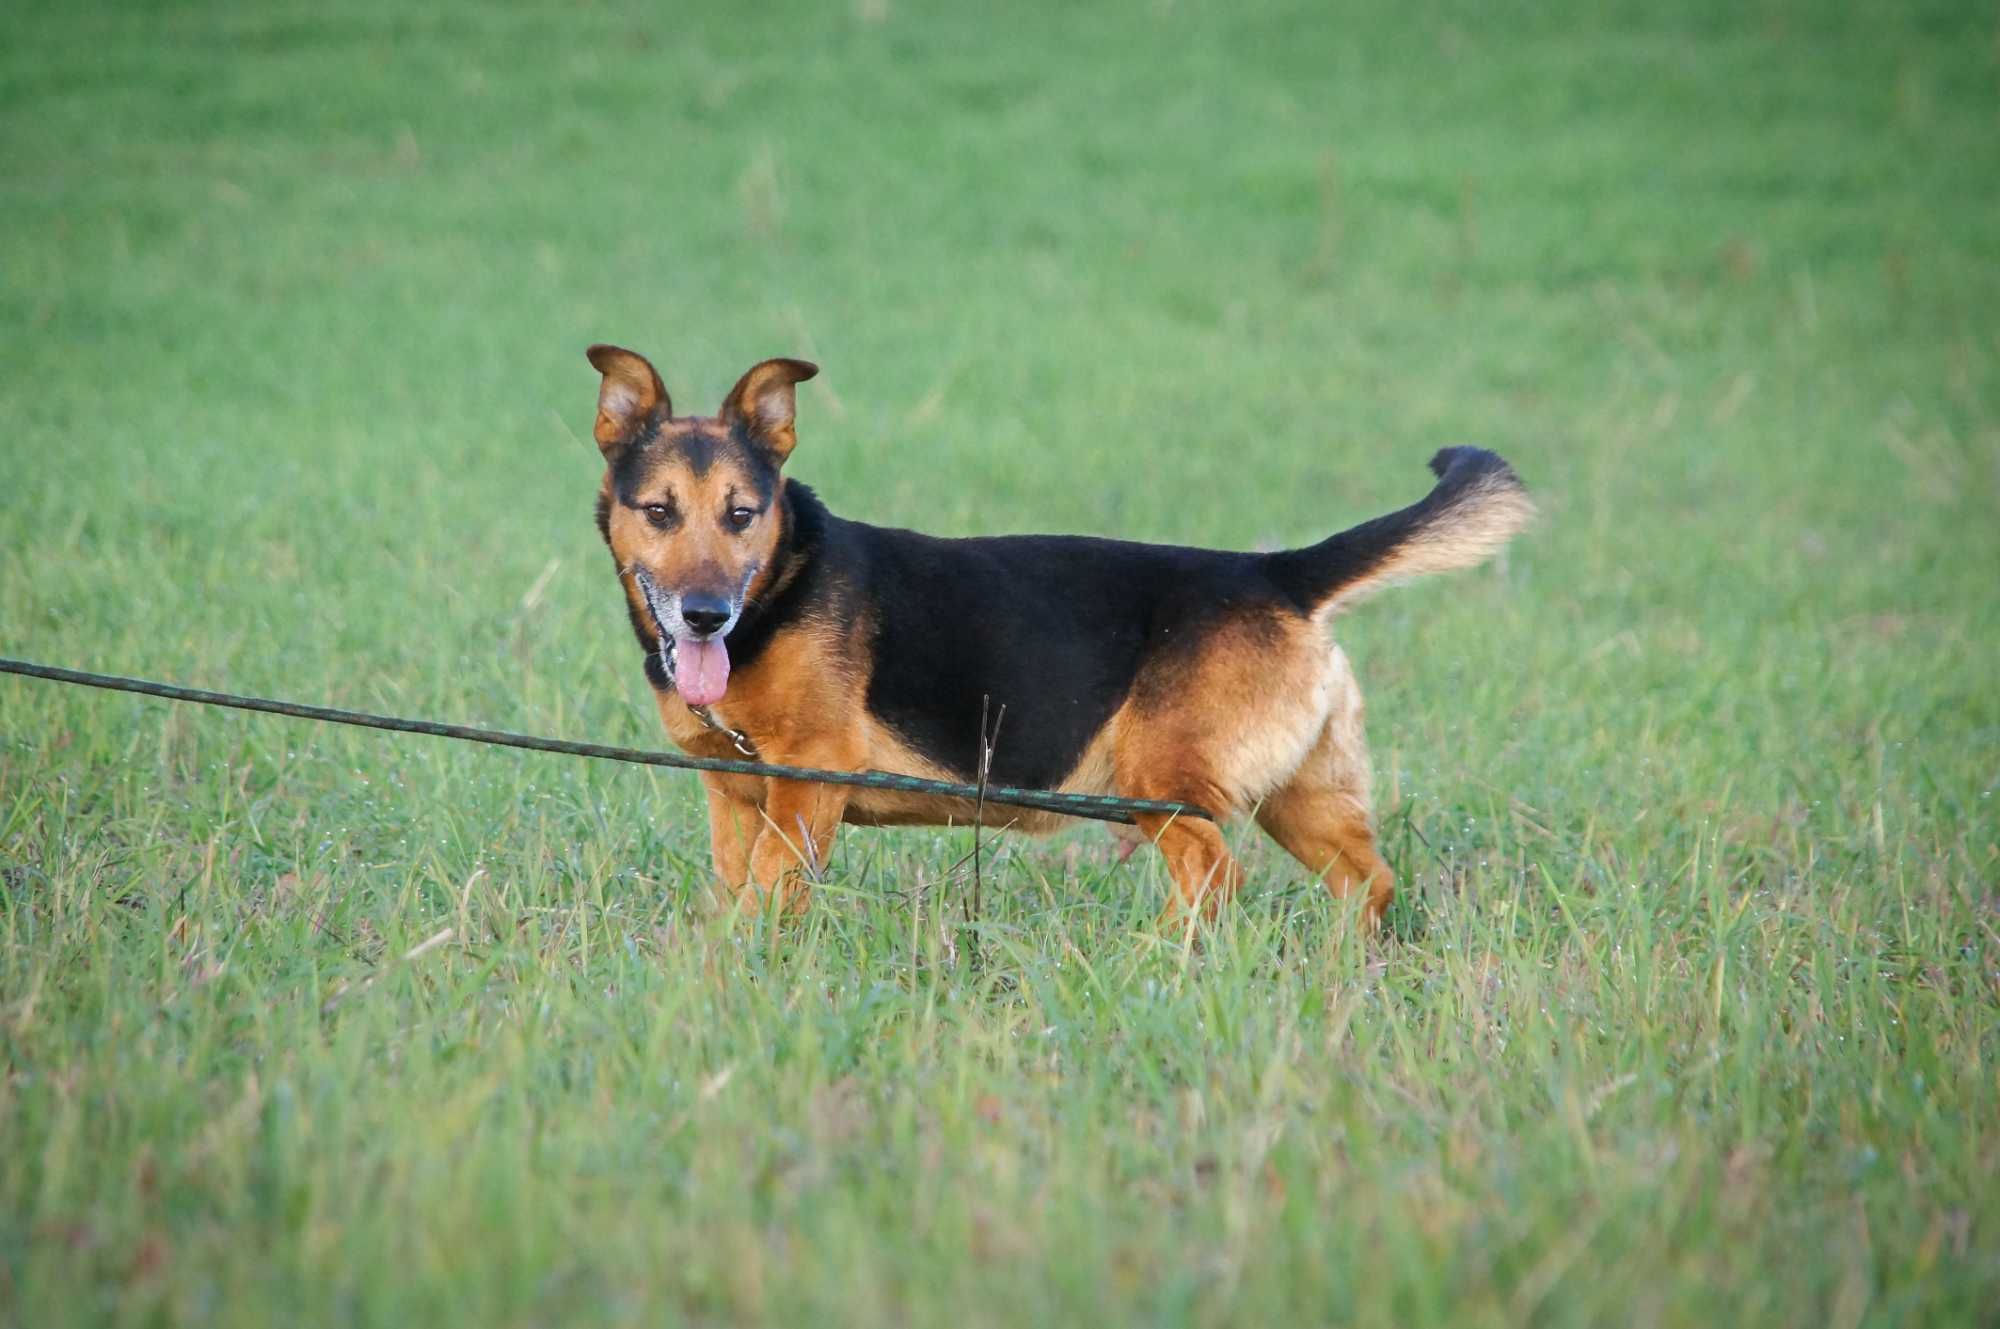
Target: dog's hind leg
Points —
{"points": [[1328, 830], [1322, 814], [1205, 874], [1213, 723]]}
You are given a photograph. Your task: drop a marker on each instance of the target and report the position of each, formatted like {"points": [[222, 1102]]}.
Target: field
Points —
{"points": [[1690, 1011]]}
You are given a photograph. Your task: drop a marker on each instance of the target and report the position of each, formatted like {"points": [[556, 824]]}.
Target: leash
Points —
{"points": [[1093, 807], [737, 738]]}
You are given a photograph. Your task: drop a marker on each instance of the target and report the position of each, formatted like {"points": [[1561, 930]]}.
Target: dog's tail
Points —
{"points": [[1477, 506]]}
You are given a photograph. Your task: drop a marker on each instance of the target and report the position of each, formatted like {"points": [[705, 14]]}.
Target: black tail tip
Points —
{"points": [[1458, 466]]}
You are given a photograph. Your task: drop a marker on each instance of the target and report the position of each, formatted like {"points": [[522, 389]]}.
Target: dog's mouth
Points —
{"points": [[700, 669], [698, 666]]}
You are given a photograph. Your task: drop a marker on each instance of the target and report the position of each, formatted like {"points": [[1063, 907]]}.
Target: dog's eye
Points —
{"points": [[658, 513], [740, 518]]}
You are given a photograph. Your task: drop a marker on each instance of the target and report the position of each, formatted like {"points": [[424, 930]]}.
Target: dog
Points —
{"points": [[771, 627]]}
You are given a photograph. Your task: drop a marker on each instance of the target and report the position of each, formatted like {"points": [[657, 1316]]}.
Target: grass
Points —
{"points": [[1690, 1011]]}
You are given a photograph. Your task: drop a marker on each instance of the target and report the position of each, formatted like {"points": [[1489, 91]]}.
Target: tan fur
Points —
{"points": [[1322, 813], [1221, 729], [699, 551], [630, 393], [765, 401], [1283, 728], [1478, 526]]}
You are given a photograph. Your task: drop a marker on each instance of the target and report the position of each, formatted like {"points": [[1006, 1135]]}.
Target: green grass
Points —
{"points": [[1690, 1011]]}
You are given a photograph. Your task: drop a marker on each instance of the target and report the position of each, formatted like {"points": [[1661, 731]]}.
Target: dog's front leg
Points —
{"points": [[793, 843], [733, 823]]}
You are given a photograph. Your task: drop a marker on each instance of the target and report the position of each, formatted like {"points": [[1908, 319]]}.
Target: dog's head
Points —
{"points": [[690, 505]]}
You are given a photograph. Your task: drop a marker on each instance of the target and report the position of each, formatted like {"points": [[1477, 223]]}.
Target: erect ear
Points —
{"points": [[764, 403], [630, 395]]}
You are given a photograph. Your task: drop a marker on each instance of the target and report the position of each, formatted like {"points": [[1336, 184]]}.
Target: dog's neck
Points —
{"points": [[792, 563]]}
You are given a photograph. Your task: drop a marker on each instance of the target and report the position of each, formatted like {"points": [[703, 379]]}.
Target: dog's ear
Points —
{"points": [[630, 396], [763, 403]]}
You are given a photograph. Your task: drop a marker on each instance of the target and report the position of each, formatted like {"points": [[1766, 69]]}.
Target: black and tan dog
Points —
{"points": [[1147, 671]]}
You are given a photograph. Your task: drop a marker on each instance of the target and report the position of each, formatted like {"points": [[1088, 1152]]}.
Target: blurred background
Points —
{"points": [[296, 298], [1689, 1013]]}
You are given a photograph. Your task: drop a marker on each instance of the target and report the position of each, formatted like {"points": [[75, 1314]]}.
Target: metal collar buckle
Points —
{"points": [[736, 736]]}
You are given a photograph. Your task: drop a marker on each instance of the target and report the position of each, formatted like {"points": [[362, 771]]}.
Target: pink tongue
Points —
{"points": [[701, 671]]}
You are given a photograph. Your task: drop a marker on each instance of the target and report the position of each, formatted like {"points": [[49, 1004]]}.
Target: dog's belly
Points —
{"points": [[888, 807], [917, 811]]}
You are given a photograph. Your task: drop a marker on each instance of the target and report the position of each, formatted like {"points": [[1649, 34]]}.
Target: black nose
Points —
{"points": [[704, 613]]}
